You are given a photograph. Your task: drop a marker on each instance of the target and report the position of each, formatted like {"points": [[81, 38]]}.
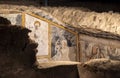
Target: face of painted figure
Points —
{"points": [[64, 43], [37, 25], [36, 31], [95, 50]]}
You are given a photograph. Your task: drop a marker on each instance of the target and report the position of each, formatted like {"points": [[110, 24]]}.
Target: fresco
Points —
{"points": [[93, 49], [63, 45], [15, 18], [39, 33]]}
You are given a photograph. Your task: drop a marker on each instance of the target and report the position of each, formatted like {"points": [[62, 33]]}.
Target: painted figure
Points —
{"points": [[65, 50], [57, 50], [63, 45]]}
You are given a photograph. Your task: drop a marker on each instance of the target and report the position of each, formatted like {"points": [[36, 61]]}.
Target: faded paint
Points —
{"points": [[93, 48], [64, 45], [39, 33]]}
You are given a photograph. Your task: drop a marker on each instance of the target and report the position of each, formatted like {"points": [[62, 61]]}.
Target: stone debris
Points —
{"points": [[100, 68]]}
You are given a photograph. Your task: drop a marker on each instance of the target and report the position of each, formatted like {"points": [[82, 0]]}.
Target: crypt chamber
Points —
{"points": [[65, 40]]}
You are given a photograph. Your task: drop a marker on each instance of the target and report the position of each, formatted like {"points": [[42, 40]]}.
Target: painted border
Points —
{"points": [[49, 33], [23, 19]]}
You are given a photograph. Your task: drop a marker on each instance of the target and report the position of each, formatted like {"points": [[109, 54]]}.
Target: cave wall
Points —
{"points": [[104, 21], [83, 17], [59, 40]]}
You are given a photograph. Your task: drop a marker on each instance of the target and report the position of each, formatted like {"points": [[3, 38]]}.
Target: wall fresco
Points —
{"points": [[63, 45], [16, 18], [93, 48], [39, 33]]}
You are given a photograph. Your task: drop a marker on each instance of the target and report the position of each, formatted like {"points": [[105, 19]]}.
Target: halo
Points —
{"points": [[37, 22]]}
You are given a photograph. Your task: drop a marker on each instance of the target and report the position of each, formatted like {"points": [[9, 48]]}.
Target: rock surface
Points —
{"points": [[100, 68], [106, 21]]}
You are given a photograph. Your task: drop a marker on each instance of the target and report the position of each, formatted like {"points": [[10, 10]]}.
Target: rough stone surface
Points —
{"points": [[100, 68], [78, 18]]}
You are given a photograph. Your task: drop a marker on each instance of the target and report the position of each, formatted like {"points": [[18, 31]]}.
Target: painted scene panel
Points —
{"points": [[39, 33], [63, 45], [15, 18], [94, 48]]}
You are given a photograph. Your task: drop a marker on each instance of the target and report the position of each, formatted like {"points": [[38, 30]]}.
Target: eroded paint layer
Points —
{"points": [[94, 48], [63, 45]]}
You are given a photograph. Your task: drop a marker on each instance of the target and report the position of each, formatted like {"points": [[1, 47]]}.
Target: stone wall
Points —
{"points": [[78, 17]]}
